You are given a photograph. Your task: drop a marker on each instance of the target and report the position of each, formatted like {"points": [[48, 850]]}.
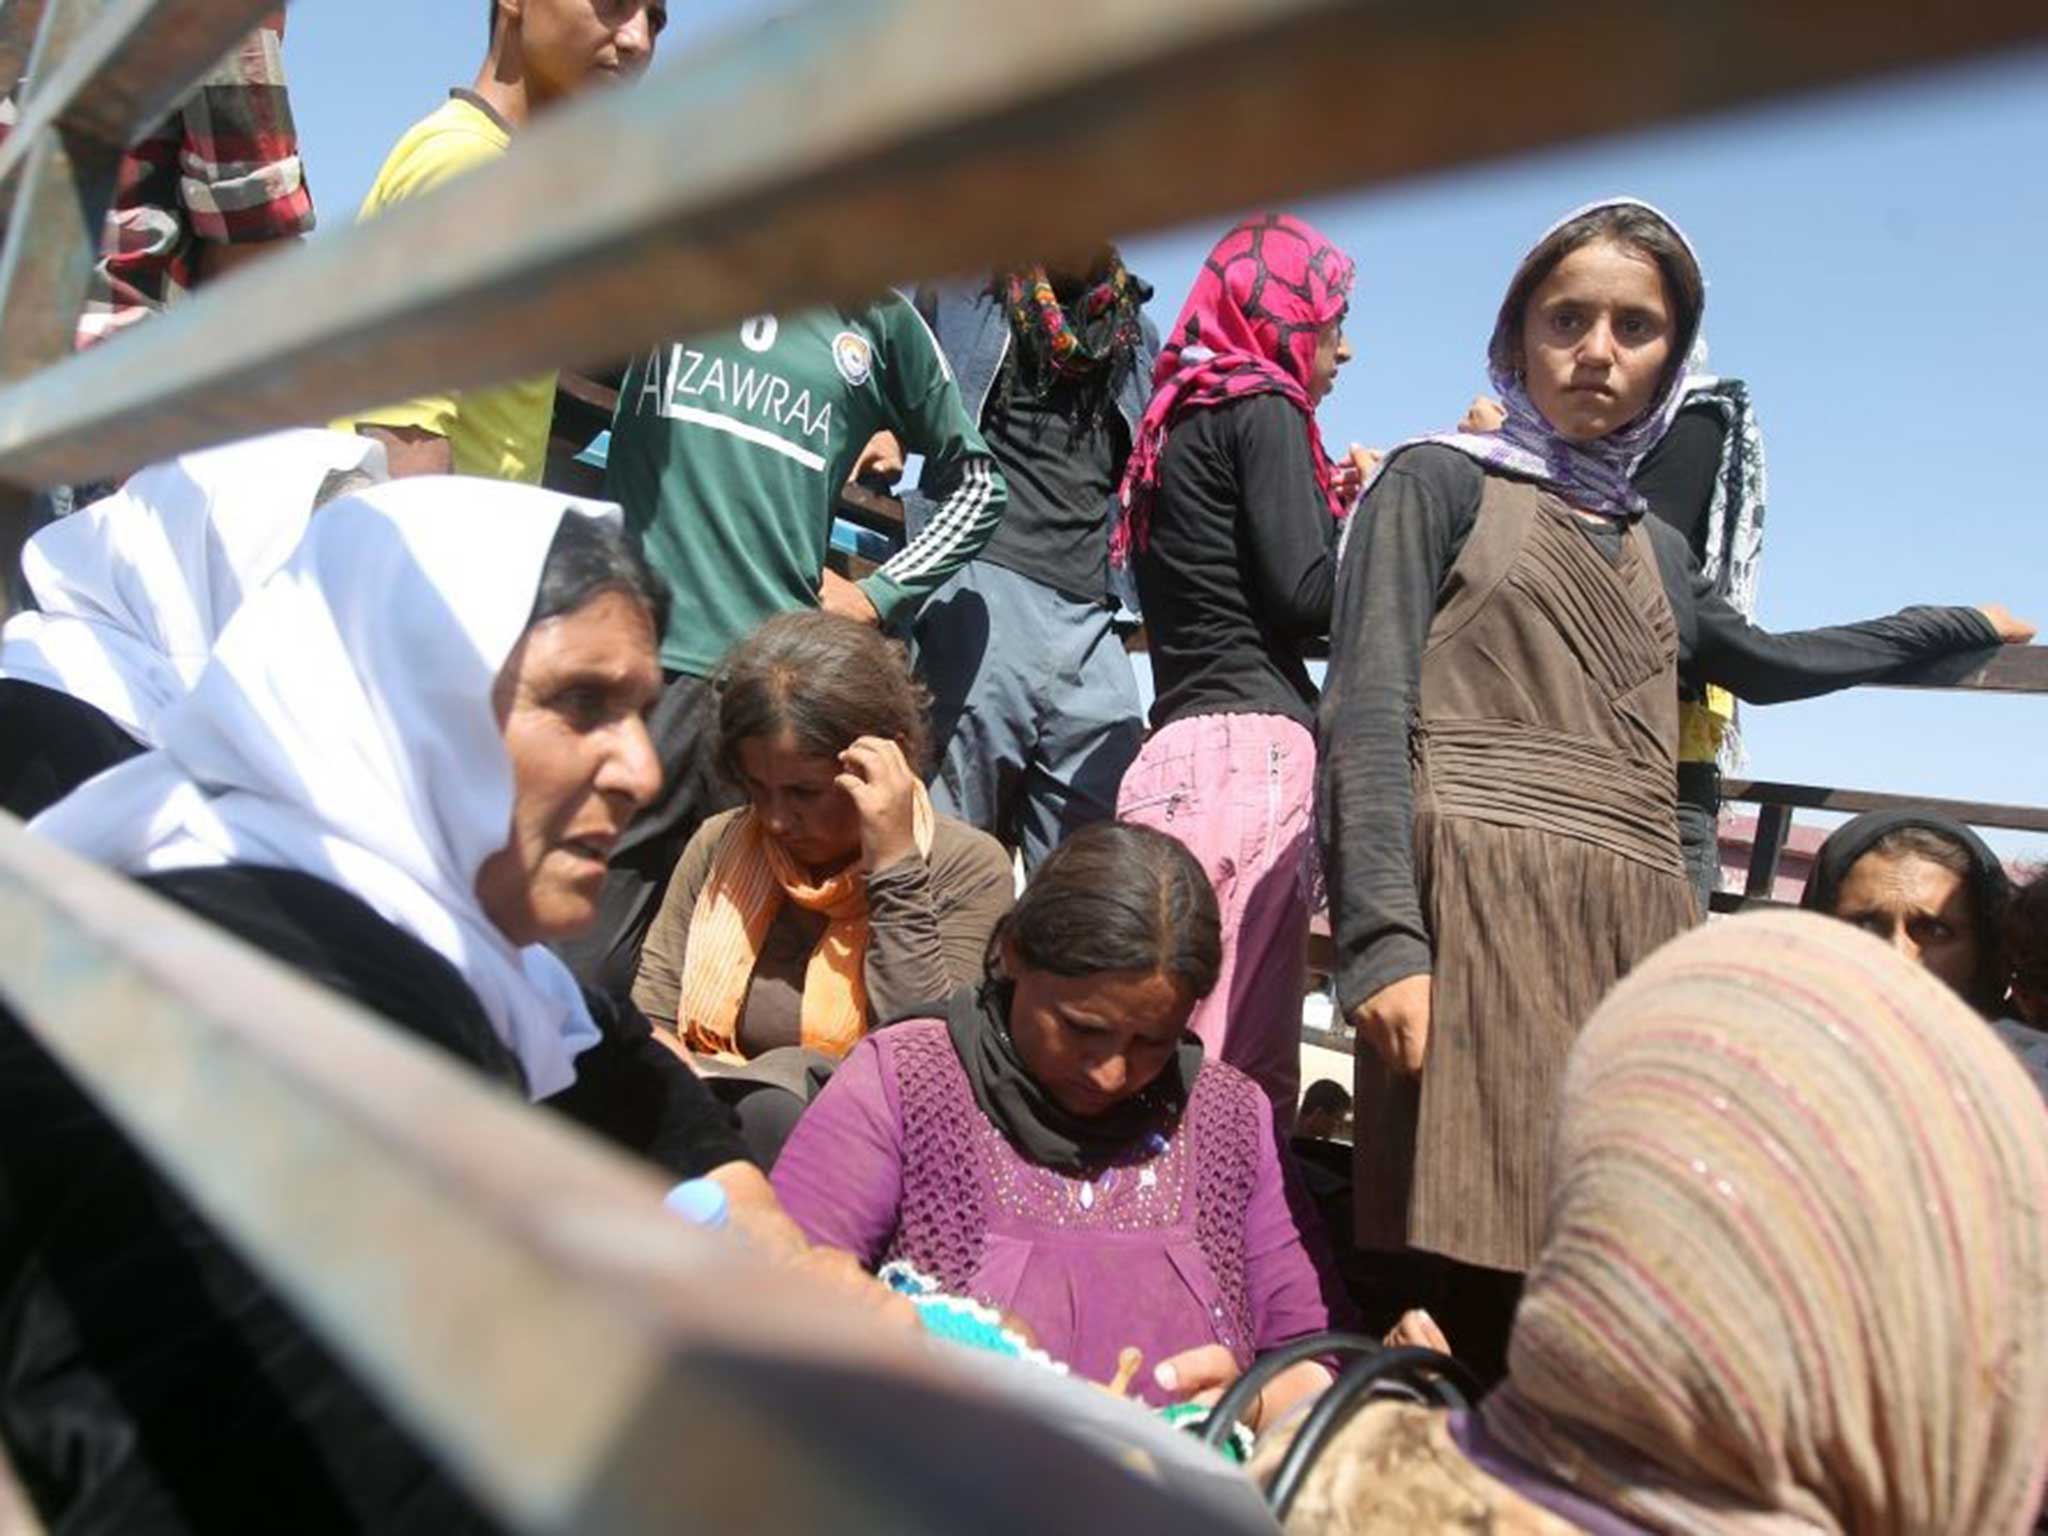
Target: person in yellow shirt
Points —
{"points": [[541, 52]]}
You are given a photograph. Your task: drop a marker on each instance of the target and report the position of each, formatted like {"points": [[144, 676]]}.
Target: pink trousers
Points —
{"points": [[1239, 791]]}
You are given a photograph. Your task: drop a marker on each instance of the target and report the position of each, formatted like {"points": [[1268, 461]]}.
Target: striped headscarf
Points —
{"points": [[1795, 1270]]}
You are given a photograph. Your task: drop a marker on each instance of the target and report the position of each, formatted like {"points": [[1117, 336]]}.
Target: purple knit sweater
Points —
{"points": [[1189, 1240]]}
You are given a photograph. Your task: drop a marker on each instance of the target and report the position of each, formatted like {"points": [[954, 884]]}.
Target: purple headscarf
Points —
{"points": [[1595, 475]]}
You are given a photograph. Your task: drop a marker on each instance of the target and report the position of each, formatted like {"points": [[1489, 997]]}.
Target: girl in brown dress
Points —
{"points": [[1499, 739]]}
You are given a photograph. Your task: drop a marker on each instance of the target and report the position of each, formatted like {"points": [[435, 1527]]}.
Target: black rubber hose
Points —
{"points": [[1230, 1408], [1446, 1380]]}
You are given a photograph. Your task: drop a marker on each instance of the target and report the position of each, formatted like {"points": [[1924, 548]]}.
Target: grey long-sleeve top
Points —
{"points": [[1411, 529]]}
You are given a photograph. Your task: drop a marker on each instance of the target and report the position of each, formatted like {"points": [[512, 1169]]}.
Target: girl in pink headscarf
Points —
{"points": [[1231, 518]]}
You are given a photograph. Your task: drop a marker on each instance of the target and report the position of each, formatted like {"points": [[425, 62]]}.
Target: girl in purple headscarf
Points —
{"points": [[1498, 740]]}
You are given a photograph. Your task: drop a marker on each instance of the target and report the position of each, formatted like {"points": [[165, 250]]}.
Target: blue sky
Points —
{"points": [[1873, 260]]}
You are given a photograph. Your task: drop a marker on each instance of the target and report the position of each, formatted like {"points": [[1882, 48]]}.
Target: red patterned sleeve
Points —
{"points": [[239, 173]]}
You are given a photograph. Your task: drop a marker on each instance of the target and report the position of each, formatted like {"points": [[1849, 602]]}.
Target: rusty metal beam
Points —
{"points": [[51, 246], [17, 1515], [2010, 669], [582, 1360], [127, 66], [755, 177], [1817, 797], [1773, 826], [19, 21]]}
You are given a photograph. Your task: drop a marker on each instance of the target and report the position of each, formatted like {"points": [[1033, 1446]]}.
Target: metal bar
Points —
{"points": [[17, 1514], [128, 66], [52, 245], [19, 22], [599, 397], [1773, 826], [871, 509], [1342, 1041], [1814, 797], [57, 25], [653, 1369], [2010, 669], [17, 508], [966, 159]]}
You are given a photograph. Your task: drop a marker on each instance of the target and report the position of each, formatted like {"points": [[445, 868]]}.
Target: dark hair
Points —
{"points": [[340, 483], [491, 24], [825, 679], [2026, 935], [1117, 897], [1326, 1096], [1928, 843], [589, 557], [1628, 224]]}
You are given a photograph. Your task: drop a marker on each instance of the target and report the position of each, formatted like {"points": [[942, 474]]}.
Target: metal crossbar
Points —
{"points": [[870, 140], [657, 1377], [582, 1360], [112, 67]]}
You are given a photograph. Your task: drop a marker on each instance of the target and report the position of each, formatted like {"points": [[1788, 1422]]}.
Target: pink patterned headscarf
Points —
{"points": [[1248, 328]]}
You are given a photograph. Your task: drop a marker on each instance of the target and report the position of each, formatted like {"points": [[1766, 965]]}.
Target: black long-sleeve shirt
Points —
{"points": [[154, 1381], [1238, 574], [1412, 527], [1677, 476]]}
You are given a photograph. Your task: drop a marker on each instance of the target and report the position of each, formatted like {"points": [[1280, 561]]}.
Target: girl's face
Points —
{"points": [[1333, 351], [1596, 339], [1093, 1041]]}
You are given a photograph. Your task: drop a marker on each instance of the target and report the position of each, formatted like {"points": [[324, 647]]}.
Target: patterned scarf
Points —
{"points": [[1092, 340], [751, 876], [1794, 1274], [1249, 327], [1597, 475], [1733, 558]]}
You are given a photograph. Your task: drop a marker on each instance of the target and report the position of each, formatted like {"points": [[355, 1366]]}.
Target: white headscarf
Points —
{"points": [[135, 588], [344, 728]]}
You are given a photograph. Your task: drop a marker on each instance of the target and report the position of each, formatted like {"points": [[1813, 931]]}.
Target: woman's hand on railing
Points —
{"points": [[2011, 631], [877, 779]]}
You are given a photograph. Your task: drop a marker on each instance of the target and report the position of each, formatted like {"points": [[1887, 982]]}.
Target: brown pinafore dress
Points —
{"points": [[1547, 860]]}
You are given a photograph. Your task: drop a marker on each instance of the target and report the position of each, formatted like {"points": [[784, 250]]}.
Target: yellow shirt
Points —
{"points": [[500, 432]]}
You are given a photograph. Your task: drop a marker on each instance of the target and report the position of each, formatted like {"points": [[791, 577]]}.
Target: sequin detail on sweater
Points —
{"points": [[958, 1168]]}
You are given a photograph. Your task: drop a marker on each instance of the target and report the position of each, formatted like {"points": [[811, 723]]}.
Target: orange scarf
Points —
{"points": [[751, 876]]}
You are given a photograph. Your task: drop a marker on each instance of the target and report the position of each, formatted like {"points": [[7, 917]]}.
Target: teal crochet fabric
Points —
{"points": [[959, 1320]]}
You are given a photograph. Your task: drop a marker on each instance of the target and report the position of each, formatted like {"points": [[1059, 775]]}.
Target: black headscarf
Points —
{"points": [[1990, 886], [1031, 1121]]}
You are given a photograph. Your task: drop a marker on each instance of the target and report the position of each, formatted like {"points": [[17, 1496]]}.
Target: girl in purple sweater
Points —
{"points": [[1057, 1148]]}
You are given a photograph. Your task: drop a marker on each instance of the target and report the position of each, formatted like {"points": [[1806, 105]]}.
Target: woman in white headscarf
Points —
{"points": [[401, 772], [132, 591]]}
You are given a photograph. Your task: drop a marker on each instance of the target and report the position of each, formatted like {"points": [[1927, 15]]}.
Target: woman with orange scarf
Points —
{"points": [[836, 900]]}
